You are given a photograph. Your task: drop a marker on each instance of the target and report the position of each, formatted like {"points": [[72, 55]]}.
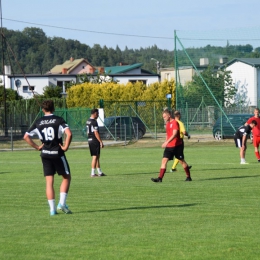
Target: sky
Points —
{"points": [[138, 24]]}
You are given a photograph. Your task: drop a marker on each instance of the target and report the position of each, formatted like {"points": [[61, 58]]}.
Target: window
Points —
{"points": [[60, 83], [167, 76], [134, 81], [27, 89]]}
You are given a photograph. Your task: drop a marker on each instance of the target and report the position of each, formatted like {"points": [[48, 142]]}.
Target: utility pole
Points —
{"points": [[158, 65], [3, 73]]}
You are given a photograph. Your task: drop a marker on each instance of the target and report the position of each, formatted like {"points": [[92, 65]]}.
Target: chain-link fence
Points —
{"points": [[218, 82], [126, 120]]}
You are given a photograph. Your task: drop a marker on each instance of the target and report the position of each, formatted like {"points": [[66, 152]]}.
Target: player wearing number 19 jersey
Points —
{"points": [[50, 129]]}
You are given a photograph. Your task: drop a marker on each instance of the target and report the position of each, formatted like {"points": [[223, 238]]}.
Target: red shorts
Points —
{"points": [[256, 141]]}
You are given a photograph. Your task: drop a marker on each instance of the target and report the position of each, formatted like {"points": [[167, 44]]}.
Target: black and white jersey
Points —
{"points": [[49, 129], [243, 130], [91, 126]]}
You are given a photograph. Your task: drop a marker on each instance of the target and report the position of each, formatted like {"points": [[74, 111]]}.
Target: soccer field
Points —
{"points": [[125, 215]]}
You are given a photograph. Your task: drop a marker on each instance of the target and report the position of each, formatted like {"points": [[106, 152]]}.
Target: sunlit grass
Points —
{"points": [[126, 216]]}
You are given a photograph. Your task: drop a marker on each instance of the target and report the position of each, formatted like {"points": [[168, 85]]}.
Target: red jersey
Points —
{"points": [[170, 126], [256, 129]]}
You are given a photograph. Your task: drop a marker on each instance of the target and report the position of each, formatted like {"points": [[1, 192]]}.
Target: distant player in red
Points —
{"points": [[173, 147], [256, 132]]}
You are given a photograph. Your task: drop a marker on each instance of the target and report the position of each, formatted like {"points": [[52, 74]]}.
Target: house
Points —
{"points": [[73, 66], [131, 73], [186, 73], [123, 73], [245, 73], [68, 71], [26, 85]]}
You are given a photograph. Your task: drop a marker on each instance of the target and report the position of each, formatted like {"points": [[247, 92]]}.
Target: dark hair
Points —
{"points": [[177, 113], [168, 111], [254, 122], [94, 110], [48, 105]]}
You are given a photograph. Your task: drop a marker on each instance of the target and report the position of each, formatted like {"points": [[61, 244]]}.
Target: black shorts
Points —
{"points": [[238, 142], [94, 148], [53, 165], [171, 152]]}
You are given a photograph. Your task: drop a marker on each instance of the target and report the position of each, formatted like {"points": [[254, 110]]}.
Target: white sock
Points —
{"points": [[63, 197], [99, 170], [243, 160], [52, 205], [93, 171]]}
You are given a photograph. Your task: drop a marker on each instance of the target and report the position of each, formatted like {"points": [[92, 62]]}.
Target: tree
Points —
{"points": [[95, 79], [10, 94], [52, 92], [219, 88]]}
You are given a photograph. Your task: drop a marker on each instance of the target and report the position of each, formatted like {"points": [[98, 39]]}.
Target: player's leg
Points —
{"points": [[175, 163], [94, 152], [93, 165], [238, 143], [257, 146], [49, 171], [163, 167], [186, 169], [256, 141], [179, 155], [63, 169], [100, 173], [167, 155], [242, 155], [50, 194]]}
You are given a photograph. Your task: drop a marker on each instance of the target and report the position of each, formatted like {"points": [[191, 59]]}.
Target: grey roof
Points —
{"points": [[255, 62]]}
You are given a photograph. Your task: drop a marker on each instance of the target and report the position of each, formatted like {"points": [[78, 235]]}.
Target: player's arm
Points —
{"points": [[248, 121], [29, 141], [183, 130], [68, 139], [174, 134], [186, 134], [97, 135]]}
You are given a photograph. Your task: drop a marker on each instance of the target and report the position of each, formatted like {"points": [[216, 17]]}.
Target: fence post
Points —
{"points": [[221, 118], [187, 117], [12, 143], [155, 126], [125, 133]]}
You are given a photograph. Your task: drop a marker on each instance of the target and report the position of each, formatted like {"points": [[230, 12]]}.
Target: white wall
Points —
{"points": [[185, 73], [149, 79], [244, 74], [38, 82]]}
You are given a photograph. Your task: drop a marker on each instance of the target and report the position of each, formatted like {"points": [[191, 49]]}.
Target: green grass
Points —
{"points": [[125, 215]]}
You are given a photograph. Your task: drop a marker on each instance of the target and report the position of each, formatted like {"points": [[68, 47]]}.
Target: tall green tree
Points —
{"points": [[219, 88], [52, 92], [10, 94]]}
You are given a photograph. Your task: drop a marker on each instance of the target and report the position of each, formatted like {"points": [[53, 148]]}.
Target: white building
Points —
{"points": [[245, 73], [28, 84]]}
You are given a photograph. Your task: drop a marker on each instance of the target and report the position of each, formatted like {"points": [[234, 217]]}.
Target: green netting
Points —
{"points": [[22, 114], [205, 88]]}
